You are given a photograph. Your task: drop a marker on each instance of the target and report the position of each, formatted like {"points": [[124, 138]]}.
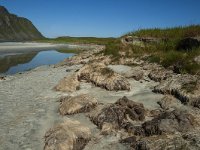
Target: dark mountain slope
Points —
{"points": [[14, 28]]}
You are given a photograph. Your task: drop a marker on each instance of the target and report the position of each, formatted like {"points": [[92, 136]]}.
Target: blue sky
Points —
{"points": [[103, 18]]}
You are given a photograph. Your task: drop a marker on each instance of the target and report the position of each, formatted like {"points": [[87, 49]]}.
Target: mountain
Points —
{"points": [[14, 28]]}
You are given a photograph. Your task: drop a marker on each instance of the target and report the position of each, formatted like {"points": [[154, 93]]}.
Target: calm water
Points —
{"points": [[23, 62]]}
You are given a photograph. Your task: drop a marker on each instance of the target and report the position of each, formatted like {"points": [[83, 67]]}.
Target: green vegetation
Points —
{"points": [[79, 40], [169, 33], [164, 51]]}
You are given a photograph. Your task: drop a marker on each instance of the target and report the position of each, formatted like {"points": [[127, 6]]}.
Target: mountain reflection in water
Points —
{"points": [[12, 64]]}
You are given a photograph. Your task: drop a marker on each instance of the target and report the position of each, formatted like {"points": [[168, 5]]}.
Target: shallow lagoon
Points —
{"points": [[15, 63]]}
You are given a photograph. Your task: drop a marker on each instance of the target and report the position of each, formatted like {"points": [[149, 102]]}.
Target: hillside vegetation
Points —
{"points": [[174, 48]]}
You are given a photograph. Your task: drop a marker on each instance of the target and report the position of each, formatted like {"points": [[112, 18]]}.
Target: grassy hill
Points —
{"points": [[171, 47]]}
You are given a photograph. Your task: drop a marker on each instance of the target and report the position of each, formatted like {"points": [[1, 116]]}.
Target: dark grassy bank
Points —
{"points": [[79, 40]]}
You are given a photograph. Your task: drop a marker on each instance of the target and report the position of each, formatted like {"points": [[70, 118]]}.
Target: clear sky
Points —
{"points": [[103, 18]]}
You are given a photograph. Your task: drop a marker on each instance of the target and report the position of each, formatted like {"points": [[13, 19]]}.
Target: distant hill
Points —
{"points": [[14, 28]]}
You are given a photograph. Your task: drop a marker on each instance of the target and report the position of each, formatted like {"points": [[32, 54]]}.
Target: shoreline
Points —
{"points": [[22, 47], [37, 102]]}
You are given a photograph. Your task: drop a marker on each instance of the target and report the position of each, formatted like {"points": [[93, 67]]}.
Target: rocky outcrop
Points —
{"points": [[70, 135], [159, 74], [77, 104], [186, 88], [128, 72], [68, 84], [86, 56], [169, 122], [116, 116], [14, 28], [102, 76], [169, 102]]}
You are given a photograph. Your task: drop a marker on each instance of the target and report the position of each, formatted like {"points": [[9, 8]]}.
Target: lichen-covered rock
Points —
{"points": [[159, 74], [116, 116], [169, 102], [77, 104], [136, 111], [85, 56], [70, 135], [69, 84], [169, 122], [104, 77], [186, 88]]}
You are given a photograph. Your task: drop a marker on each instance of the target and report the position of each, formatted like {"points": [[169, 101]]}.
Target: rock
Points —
{"points": [[70, 135], [136, 111], [160, 74], [69, 84], [172, 142], [127, 71], [85, 56], [197, 59], [78, 104], [187, 44], [169, 102], [186, 88], [141, 145], [169, 122], [2, 78], [114, 116], [104, 77], [129, 140]]}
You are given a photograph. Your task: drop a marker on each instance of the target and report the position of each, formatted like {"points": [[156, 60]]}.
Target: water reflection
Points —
{"points": [[18, 63]]}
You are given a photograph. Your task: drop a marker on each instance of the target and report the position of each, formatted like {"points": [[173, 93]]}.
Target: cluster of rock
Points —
{"points": [[104, 77], [186, 88], [130, 120], [175, 125]]}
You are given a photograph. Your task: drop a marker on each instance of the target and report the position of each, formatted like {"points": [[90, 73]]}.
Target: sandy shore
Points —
{"points": [[29, 106], [20, 47]]}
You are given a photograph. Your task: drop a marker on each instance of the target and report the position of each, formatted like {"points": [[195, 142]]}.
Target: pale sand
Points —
{"points": [[29, 106], [19, 47]]}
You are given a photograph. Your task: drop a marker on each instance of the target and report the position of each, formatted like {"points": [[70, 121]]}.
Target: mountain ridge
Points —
{"points": [[14, 28]]}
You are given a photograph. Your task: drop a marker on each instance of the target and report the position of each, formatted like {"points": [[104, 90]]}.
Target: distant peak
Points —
{"points": [[3, 10]]}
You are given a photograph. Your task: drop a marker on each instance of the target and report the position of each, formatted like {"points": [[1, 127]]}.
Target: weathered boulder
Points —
{"points": [[136, 111], [70, 135], [169, 122], [159, 74], [2, 78], [104, 77], [186, 88], [116, 116], [78, 104], [197, 59], [69, 84], [86, 55], [127, 71], [169, 102]]}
